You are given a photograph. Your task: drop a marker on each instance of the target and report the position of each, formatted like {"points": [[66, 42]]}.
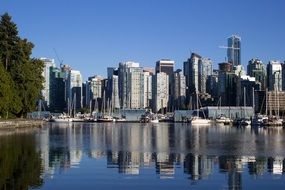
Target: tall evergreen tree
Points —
{"points": [[23, 71]]}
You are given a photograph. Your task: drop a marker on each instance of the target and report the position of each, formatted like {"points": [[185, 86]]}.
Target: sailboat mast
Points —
{"points": [[253, 101]]}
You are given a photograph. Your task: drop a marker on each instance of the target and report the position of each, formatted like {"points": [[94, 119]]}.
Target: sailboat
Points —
{"points": [[197, 120], [222, 119], [104, 117]]}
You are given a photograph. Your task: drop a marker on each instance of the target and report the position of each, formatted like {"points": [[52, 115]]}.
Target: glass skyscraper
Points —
{"points": [[234, 48]]}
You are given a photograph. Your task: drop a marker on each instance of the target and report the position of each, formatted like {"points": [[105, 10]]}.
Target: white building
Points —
{"points": [[147, 92], [160, 91], [131, 85], [93, 89], [46, 74], [74, 88], [274, 76]]}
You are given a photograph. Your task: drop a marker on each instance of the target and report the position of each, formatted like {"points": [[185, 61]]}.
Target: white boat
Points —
{"points": [[61, 119], [154, 121], [223, 120], [196, 120]]}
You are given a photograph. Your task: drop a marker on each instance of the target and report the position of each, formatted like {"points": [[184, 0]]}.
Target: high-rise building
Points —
{"points": [[74, 89], [147, 92], [94, 91], [160, 91], [283, 76], [48, 63], [234, 49], [112, 92], [227, 87], [179, 89], [255, 68], [274, 76], [205, 70], [131, 83], [165, 65], [191, 72], [57, 90]]}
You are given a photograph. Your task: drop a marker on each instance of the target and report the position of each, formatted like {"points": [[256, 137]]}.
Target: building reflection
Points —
{"points": [[129, 148]]}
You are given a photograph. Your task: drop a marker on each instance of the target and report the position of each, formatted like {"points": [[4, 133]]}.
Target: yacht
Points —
{"points": [[63, 118], [223, 120], [197, 120]]}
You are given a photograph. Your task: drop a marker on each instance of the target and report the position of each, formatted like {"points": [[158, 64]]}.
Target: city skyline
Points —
{"points": [[107, 33]]}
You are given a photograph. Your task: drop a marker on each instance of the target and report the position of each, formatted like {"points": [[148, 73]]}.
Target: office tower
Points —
{"points": [[160, 92], [147, 88], [234, 49], [212, 84], [256, 69], [164, 65], [94, 91], [191, 67], [274, 76], [74, 90], [227, 87], [131, 83], [205, 70], [57, 90], [179, 89], [112, 92], [283, 76], [46, 74], [167, 66]]}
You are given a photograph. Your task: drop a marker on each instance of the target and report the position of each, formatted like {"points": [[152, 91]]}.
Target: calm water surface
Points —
{"points": [[142, 156]]}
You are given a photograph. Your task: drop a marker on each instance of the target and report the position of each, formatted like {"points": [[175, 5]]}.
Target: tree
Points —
{"points": [[9, 99], [23, 71]]}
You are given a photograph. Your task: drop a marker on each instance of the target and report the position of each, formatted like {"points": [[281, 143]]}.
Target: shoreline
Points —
{"points": [[20, 123]]}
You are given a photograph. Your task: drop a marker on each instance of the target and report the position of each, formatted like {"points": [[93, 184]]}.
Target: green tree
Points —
{"points": [[9, 99], [24, 71]]}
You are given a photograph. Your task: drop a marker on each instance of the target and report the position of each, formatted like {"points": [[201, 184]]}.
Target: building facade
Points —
{"points": [[160, 90], [274, 76], [256, 69], [234, 50], [48, 63], [179, 89]]}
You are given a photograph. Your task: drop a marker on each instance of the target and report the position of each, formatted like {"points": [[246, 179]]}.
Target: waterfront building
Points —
{"points": [[94, 91], [246, 86], [57, 90], [48, 63], [147, 88], [256, 69], [179, 89], [234, 50], [204, 71], [283, 76], [74, 89], [131, 83], [274, 76], [160, 92], [212, 84], [227, 87], [191, 73], [167, 66]]}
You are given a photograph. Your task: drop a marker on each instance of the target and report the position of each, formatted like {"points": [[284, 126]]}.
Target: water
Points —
{"points": [[142, 156]]}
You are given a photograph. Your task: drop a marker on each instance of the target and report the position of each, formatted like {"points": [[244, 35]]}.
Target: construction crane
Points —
{"points": [[59, 60], [226, 47]]}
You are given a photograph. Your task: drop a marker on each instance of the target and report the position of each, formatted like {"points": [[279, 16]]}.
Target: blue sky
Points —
{"points": [[90, 35]]}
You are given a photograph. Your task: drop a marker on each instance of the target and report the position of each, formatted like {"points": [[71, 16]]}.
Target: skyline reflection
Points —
{"points": [[165, 149]]}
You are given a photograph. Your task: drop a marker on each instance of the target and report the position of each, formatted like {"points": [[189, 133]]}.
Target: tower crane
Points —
{"points": [[59, 60]]}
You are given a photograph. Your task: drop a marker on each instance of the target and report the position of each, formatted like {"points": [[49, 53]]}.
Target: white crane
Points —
{"points": [[226, 47]]}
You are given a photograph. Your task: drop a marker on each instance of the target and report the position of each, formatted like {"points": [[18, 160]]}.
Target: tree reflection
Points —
{"points": [[20, 163]]}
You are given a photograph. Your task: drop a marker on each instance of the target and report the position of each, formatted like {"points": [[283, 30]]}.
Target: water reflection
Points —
{"points": [[20, 162], [170, 151]]}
